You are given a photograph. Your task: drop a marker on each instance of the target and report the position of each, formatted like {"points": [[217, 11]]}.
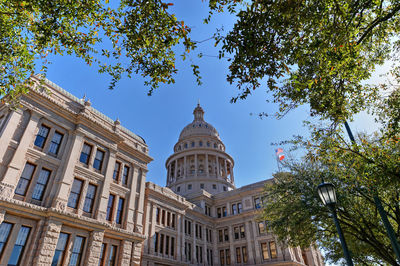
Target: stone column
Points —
{"points": [[179, 244], [48, 242], [9, 128], [184, 166], [195, 165], [146, 230], [215, 247], [232, 177], [256, 245], [11, 177], [204, 232], [105, 189], [225, 169], [152, 229], [139, 211], [65, 176], [206, 164], [169, 178], [94, 248], [125, 252], [249, 240], [217, 161], [175, 169]]}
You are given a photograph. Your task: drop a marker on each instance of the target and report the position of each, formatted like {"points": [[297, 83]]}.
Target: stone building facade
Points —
{"points": [[73, 192]]}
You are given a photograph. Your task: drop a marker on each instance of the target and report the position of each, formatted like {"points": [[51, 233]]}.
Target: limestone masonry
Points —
{"points": [[73, 191]]}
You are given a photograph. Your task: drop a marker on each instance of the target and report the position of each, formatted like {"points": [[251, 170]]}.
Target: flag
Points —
{"points": [[279, 154]]}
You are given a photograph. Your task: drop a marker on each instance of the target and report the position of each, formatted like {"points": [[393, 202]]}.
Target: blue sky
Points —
{"points": [[160, 118]]}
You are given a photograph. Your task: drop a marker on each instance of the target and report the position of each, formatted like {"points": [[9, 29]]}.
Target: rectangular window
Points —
{"points": [[5, 229], [163, 217], [120, 210], [242, 234], [261, 227], [226, 235], [25, 179], [257, 203], [60, 249], [238, 255], [41, 184], [234, 210], [19, 246], [77, 250], [228, 256], [85, 154], [41, 136], [98, 160], [161, 243], [168, 218], [113, 255], [264, 250], [221, 257], [173, 221], [201, 254], [172, 246], [219, 212], [236, 232], [244, 252], [239, 208], [75, 193], [272, 248], [156, 242], [220, 236], [189, 228], [189, 251], [125, 175], [158, 215], [166, 245], [224, 213], [89, 199], [110, 207], [102, 254], [117, 168], [55, 143]]}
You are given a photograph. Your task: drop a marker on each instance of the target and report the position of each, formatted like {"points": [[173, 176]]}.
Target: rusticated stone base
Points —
{"points": [[48, 242]]}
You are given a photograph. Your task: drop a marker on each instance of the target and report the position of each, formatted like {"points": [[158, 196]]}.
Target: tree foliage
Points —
{"points": [[134, 37], [315, 52]]}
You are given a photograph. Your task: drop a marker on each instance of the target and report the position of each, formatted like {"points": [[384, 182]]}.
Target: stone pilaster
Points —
{"points": [[125, 252], [8, 130], [48, 242], [2, 214], [249, 240], [136, 253], [139, 211], [105, 192], [94, 248], [256, 245], [232, 249], [11, 177]]}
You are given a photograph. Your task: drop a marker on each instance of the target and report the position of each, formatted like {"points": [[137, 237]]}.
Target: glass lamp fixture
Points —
{"points": [[327, 193]]}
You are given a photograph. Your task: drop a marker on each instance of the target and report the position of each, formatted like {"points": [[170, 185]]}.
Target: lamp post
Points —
{"points": [[327, 193]]}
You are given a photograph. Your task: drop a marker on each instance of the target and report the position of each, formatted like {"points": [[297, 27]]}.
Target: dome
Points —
{"points": [[198, 127]]}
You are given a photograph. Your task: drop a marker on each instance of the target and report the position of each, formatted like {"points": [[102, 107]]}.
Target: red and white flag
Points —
{"points": [[279, 154]]}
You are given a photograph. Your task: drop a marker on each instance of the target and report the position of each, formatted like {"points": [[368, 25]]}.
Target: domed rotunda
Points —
{"points": [[199, 161]]}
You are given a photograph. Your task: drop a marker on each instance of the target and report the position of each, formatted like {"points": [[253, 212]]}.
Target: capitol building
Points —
{"points": [[73, 191]]}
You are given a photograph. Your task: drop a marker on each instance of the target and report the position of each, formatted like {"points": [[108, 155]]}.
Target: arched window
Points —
{"points": [[186, 145], [200, 143]]}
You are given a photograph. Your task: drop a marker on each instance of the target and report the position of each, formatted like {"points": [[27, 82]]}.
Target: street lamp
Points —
{"points": [[327, 193]]}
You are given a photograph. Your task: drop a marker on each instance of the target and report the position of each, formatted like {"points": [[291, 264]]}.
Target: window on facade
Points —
{"points": [[178, 189], [5, 229], [117, 168], [264, 249], [215, 145], [221, 257], [236, 232], [41, 184], [113, 255], [19, 246], [239, 208], [192, 144], [214, 186], [161, 243], [75, 193], [55, 143], [163, 217], [242, 234], [125, 175], [158, 215], [172, 246], [110, 207], [120, 209], [238, 255], [102, 254], [98, 160], [257, 203], [228, 256], [202, 186], [156, 242], [85, 154], [208, 144], [185, 145], [225, 189], [25, 179], [60, 249], [244, 253], [234, 209], [77, 249], [224, 213], [220, 236], [219, 212], [168, 218], [226, 235], [166, 245], [200, 143], [89, 199], [189, 186], [173, 221], [272, 248], [41, 136]]}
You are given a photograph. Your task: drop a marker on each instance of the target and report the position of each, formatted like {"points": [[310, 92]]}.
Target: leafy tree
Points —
{"points": [[135, 37], [312, 52]]}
